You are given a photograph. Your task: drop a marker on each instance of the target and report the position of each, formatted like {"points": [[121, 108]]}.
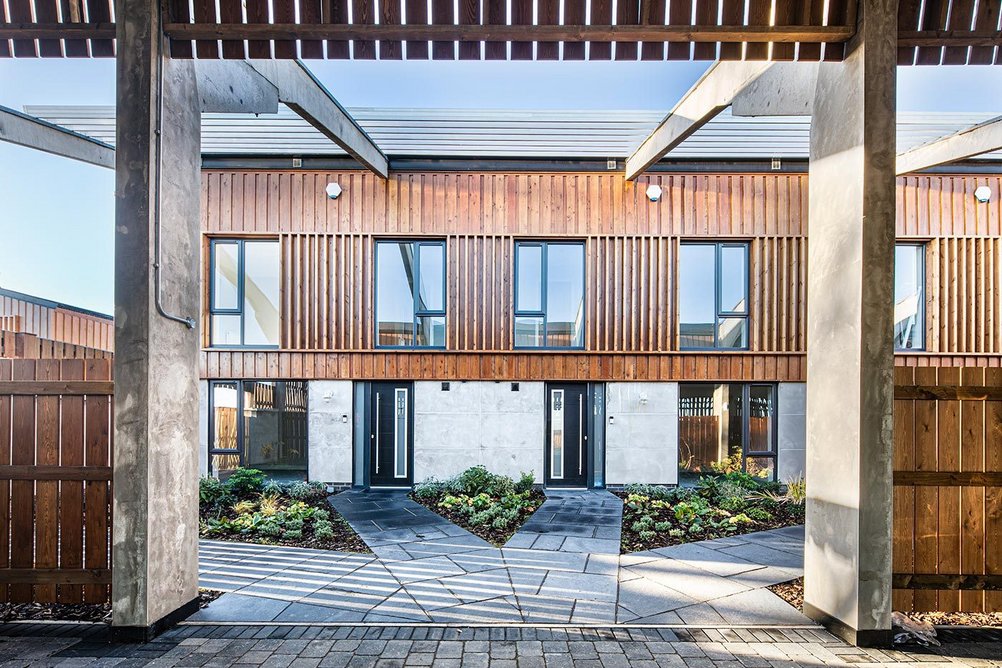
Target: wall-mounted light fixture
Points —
{"points": [[654, 192], [983, 194], [643, 398], [333, 190]]}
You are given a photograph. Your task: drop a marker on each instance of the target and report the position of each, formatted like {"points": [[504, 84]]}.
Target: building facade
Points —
{"points": [[585, 328]]}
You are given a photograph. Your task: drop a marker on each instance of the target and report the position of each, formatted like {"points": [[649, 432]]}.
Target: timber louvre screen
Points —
{"points": [[55, 477]]}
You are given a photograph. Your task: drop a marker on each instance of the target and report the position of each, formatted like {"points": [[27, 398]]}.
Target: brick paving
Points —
{"points": [[274, 646]]}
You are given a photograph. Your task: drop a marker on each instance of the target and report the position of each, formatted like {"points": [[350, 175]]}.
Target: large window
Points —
{"points": [[713, 295], [271, 436], [716, 433], [549, 295], [410, 294], [243, 293], [909, 297]]}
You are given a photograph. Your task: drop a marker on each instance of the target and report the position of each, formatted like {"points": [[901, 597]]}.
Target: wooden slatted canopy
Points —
{"points": [[930, 31]]}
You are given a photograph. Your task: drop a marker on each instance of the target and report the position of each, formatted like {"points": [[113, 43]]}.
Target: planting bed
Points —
{"points": [[719, 506], [485, 504]]}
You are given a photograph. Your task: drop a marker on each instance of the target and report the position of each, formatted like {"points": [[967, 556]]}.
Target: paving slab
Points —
{"points": [[562, 567]]}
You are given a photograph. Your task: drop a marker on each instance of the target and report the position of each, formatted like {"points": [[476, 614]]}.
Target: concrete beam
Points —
{"points": [[708, 97], [157, 185], [785, 89], [850, 351], [299, 90], [24, 130], [980, 139], [234, 87]]}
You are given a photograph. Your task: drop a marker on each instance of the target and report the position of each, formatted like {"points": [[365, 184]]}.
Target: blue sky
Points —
{"points": [[56, 215]]}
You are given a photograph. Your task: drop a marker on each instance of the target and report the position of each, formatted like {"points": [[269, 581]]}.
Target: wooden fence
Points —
{"points": [[948, 489], [55, 480], [20, 345]]}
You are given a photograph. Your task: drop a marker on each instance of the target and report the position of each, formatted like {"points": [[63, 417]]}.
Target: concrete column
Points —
{"points": [[850, 356], [155, 553]]}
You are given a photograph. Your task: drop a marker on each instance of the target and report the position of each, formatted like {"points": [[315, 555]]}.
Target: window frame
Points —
{"points": [[240, 451], [719, 314], [416, 313], [746, 388], [544, 245], [241, 277], [922, 246]]}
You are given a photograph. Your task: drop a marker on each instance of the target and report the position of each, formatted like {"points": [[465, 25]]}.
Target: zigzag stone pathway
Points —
{"points": [[557, 569]]}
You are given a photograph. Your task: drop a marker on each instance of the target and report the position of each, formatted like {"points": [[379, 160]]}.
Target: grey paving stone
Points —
{"points": [[749, 607], [645, 597], [241, 608], [714, 561], [586, 586], [694, 582]]}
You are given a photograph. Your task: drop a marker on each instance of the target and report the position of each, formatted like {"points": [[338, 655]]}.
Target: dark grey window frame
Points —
{"points": [[415, 290], [241, 422], [241, 277], [543, 297], [922, 299], [746, 388], [718, 312]]}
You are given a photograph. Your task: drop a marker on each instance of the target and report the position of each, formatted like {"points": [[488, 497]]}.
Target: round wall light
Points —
{"points": [[333, 190], [983, 194], [654, 192]]}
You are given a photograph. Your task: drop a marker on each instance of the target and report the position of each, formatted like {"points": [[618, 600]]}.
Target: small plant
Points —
{"points": [[796, 490], [243, 507], [211, 492], [525, 483], [245, 483], [269, 504]]}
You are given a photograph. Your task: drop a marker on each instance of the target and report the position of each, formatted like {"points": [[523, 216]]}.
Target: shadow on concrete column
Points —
{"points": [[155, 552], [850, 358]]}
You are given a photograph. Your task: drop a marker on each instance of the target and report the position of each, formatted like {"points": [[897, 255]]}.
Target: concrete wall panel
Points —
{"points": [[641, 433], [330, 430], [477, 423]]}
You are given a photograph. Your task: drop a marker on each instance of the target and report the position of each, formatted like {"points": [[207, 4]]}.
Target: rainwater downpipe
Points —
{"points": [[189, 322]]}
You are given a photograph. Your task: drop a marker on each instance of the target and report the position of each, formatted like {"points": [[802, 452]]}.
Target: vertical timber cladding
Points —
{"points": [[327, 298], [631, 246], [947, 541]]}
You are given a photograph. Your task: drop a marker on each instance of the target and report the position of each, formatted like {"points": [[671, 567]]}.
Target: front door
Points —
{"points": [[390, 435], [566, 455]]}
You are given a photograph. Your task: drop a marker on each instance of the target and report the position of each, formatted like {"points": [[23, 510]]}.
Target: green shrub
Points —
{"points": [[292, 534], [429, 489], [759, 514], [212, 493], [796, 490], [245, 483], [646, 535], [323, 530], [272, 488], [307, 491], [525, 483], [662, 526]]}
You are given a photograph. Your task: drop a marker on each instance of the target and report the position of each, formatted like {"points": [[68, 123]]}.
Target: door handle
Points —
{"points": [[377, 432], [580, 438]]}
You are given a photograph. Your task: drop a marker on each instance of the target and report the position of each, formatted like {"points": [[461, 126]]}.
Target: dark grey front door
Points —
{"points": [[566, 453], [391, 435]]}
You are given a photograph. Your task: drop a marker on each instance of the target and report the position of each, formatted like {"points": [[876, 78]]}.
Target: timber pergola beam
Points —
{"points": [[714, 91], [24, 130], [299, 90], [983, 138]]}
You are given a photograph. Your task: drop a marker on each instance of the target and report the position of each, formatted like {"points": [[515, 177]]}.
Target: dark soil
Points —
{"points": [[75, 612], [493, 536], [344, 540], [793, 593], [783, 515]]}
